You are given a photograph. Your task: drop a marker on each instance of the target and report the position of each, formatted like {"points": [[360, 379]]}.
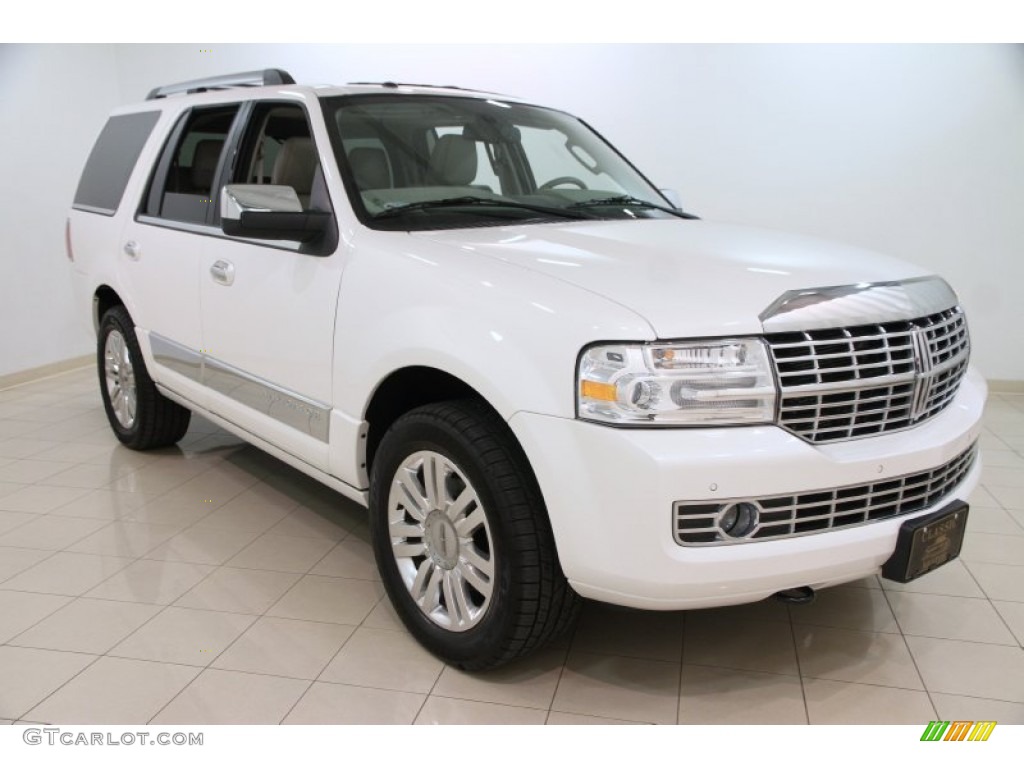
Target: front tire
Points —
{"points": [[462, 539], [140, 416]]}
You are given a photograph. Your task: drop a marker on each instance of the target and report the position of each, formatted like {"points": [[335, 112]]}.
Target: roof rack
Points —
{"points": [[390, 84], [239, 80]]}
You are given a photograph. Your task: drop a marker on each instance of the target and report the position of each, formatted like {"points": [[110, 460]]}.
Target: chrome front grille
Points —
{"points": [[815, 511], [843, 383]]}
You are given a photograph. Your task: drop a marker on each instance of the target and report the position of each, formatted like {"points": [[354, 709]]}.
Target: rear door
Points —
{"points": [[162, 245]]}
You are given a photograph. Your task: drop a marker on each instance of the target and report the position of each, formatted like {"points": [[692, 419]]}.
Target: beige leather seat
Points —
{"points": [[453, 161], [204, 165], [370, 168], [295, 166]]}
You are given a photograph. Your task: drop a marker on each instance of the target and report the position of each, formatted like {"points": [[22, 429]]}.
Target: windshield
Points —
{"points": [[439, 162]]}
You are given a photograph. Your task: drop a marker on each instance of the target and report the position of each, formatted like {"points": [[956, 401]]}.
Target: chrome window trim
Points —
{"points": [[290, 408], [859, 304], [184, 226], [94, 209], [210, 231]]}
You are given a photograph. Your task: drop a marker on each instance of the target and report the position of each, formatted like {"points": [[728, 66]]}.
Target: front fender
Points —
{"points": [[511, 334]]}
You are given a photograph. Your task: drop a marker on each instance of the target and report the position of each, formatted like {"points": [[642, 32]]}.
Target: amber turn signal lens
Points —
{"points": [[598, 391]]}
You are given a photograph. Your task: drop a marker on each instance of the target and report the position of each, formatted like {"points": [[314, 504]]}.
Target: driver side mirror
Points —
{"points": [[269, 212], [673, 197]]}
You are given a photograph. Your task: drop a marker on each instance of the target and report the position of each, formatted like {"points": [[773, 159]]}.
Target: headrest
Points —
{"points": [[204, 163], [295, 164], [453, 160], [370, 167]]}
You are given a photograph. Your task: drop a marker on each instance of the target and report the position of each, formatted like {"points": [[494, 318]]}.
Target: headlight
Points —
{"points": [[720, 381]]}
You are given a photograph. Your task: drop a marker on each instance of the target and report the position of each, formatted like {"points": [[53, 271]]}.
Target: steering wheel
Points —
{"points": [[558, 180]]}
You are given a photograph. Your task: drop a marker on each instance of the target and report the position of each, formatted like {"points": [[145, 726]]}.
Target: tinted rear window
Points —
{"points": [[112, 160]]}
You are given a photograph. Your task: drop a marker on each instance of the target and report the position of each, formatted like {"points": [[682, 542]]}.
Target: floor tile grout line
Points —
{"points": [[62, 685], [264, 614], [572, 633], [44, 618], [150, 620], [324, 667], [599, 717], [70, 544], [799, 667], [1013, 634], [52, 554], [433, 686], [890, 590], [999, 613], [755, 671], [967, 567], [558, 682], [174, 604], [679, 681], [913, 659], [295, 703], [174, 698], [256, 617], [913, 690], [474, 701]]}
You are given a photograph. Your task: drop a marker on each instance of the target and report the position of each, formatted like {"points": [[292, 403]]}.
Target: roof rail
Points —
{"points": [[391, 84], [239, 80]]}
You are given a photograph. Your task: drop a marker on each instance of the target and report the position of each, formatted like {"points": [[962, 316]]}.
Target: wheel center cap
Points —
{"points": [[442, 540]]}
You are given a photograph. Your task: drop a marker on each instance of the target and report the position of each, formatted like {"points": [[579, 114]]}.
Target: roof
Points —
{"points": [[278, 80]]}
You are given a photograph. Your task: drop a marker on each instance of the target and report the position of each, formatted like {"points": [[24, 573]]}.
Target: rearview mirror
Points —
{"points": [[269, 212]]}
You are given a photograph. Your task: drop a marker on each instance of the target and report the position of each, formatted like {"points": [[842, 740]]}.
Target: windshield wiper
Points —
{"points": [[630, 201], [473, 201]]}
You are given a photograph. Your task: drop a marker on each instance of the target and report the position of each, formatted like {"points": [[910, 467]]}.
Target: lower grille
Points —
{"points": [[816, 511]]}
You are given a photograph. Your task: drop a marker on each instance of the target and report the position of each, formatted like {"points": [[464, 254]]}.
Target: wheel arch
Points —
{"points": [[411, 387], [103, 299]]}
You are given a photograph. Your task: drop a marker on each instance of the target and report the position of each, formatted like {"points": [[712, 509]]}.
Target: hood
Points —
{"points": [[686, 278]]}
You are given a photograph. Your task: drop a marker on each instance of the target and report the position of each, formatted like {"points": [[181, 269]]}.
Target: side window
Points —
{"points": [[182, 188], [111, 162], [278, 148]]}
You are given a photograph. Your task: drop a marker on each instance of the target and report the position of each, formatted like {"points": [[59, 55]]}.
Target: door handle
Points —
{"points": [[133, 250], [223, 272]]}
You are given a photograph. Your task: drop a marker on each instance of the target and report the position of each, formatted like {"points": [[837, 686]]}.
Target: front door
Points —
{"points": [[268, 307]]}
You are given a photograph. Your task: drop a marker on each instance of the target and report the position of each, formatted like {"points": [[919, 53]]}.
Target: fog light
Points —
{"points": [[738, 520]]}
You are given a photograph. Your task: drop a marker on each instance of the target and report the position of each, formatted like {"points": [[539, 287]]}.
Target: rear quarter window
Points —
{"points": [[111, 162]]}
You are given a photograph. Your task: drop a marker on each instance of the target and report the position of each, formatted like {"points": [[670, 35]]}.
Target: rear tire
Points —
{"points": [[140, 416], [462, 538]]}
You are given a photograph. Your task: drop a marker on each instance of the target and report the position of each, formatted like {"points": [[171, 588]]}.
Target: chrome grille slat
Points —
{"points": [[882, 337], [802, 514], [860, 411], [857, 369], [846, 386], [858, 381]]}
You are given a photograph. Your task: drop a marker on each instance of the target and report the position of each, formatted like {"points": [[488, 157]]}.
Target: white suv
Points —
{"points": [[544, 379]]}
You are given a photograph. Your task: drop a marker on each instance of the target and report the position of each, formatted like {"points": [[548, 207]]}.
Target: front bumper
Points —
{"points": [[610, 495]]}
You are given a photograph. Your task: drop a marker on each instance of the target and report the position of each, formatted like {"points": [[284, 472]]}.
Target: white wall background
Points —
{"points": [[54, 100], [917, 151]]}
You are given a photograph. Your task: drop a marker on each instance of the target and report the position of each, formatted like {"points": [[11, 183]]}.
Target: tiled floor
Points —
{"points": [[212, 584]]}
